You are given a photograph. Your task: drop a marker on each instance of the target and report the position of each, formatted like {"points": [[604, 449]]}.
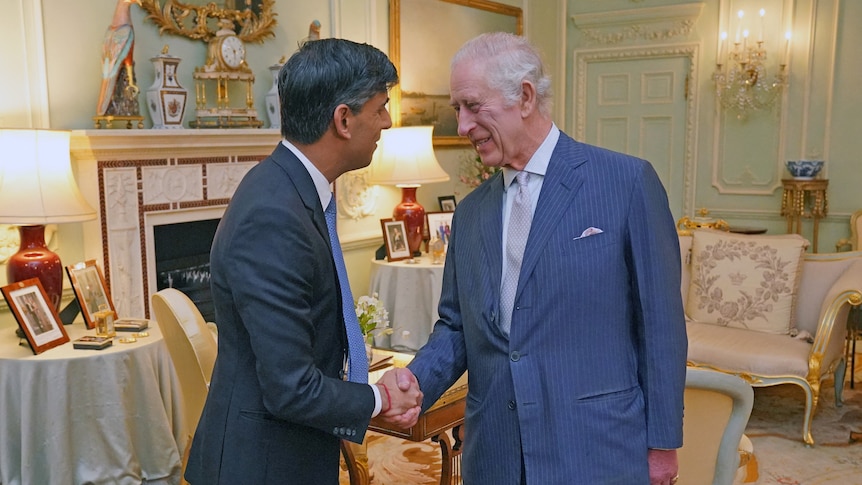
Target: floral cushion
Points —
{"points": [[745, 281]]}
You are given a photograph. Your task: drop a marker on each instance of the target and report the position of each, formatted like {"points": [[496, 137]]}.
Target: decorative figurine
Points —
{"points": [[314, 30], [118, 95], [166, 99]]}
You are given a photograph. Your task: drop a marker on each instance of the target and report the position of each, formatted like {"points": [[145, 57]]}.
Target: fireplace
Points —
{"points": [[149, 185], [141, 180], [182, 260]]}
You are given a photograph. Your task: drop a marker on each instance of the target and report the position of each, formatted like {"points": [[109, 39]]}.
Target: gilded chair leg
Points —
{"points": [[812, 394], [356, 459]]}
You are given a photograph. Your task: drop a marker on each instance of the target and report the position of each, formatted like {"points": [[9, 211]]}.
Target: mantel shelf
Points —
{"points": [[137, 144]]}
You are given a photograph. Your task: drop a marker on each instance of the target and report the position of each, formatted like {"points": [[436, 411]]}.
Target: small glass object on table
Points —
{"points": [[105, 321], [437, 249]]}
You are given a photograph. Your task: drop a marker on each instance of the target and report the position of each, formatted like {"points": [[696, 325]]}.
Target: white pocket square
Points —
{"points": [[590, 231]]}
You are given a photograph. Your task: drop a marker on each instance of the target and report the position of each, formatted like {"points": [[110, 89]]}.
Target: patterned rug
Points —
{"points": [[775, 429]]}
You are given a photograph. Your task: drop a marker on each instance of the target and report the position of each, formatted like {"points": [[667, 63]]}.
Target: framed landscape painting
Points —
{"points": [[437, 29]]}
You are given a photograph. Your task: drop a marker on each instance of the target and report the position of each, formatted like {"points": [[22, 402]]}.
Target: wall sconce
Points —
{"points": [[742, 83], [37, 187], [405, 158]]}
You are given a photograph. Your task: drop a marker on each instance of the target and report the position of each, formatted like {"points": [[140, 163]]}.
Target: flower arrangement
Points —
{"points": [[373, 317], [474, 172]]}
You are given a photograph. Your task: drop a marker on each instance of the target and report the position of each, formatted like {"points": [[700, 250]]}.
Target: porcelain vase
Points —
{"points": [[273, 107], [166, 99]]}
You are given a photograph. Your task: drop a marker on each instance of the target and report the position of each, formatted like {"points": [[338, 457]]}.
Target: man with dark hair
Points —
{"points": [[278, 404]]}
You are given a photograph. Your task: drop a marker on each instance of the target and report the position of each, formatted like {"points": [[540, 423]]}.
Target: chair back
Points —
{"points": [[191, 346], [717, 407]]}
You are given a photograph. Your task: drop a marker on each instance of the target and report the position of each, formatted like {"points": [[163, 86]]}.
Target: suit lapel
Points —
{"points": [[300, 179], [492, 231], [559, 189]]}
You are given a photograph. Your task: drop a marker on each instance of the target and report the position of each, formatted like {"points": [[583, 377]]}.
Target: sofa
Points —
{"points": [[760, 307]]}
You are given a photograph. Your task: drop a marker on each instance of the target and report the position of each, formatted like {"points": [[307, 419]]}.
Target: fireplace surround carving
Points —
{"points": [[143, 179]]}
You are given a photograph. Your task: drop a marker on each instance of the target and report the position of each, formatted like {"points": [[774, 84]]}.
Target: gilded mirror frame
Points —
{"points": [[200, 22], [446, 28]]}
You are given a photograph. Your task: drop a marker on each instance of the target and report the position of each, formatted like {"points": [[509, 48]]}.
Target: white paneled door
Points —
{"points": [[638, 106]]}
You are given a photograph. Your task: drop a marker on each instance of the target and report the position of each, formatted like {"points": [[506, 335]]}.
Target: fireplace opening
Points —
{"points": [[182, 253]]}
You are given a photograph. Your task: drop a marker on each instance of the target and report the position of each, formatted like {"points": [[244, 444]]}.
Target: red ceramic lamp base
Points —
{"points": [[413, 215], [35, 260]]}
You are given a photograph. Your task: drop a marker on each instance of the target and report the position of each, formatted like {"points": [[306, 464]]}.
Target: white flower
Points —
{"points": [[373, 316]]}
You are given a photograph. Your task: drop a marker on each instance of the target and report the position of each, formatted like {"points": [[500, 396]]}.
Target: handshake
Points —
{"points": [[401, 398]]}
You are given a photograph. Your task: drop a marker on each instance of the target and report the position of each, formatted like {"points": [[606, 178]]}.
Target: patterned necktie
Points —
{"points": [[520, 219], [357, 369]]}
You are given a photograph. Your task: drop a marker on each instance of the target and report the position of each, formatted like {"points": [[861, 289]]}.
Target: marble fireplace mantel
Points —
{"points": [[141, 178]]}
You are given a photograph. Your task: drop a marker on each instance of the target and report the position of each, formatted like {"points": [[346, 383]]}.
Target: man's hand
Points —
{"points": [[663, 467], [402, 399]]}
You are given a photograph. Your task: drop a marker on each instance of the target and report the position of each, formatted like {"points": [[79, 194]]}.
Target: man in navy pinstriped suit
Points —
{"points": [[278, 406], [587, 385]]}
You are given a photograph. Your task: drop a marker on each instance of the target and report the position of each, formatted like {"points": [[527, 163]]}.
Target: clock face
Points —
{"points": [[232, 51]]}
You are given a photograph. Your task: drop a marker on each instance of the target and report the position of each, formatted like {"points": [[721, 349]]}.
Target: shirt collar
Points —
{"points": [[538, 163], [320, 183]]}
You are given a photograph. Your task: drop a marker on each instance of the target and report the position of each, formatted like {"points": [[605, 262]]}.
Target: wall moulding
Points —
{"points": [[652, 23]]}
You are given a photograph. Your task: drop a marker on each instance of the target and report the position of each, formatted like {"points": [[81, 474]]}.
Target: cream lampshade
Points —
{"points": [[37, 187], [405, 158]]}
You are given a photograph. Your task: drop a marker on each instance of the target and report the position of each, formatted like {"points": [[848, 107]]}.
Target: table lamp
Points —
{"points": [[405, 158], [37, 187]]}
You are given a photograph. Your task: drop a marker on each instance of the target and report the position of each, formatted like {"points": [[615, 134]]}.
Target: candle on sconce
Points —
{"points": [[739, 14], [719, 55], [744, 40], [785, 60], [760, 35]]}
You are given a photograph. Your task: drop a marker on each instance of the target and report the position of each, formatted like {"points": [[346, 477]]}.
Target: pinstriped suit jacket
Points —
{"points": [[593, 371]]}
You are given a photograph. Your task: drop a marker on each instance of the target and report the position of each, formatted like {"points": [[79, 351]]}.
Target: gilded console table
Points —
{"points": [[800, 195]]}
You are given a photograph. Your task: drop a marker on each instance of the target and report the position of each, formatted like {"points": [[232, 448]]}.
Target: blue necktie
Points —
{"points": [[357, 369]]}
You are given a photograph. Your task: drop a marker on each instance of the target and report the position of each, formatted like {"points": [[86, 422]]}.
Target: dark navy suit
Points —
{"points": [[593, 371], [276, 408]]}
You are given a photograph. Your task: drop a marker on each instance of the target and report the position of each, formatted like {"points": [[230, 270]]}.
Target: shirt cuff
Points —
{"points": [[378, 404]]}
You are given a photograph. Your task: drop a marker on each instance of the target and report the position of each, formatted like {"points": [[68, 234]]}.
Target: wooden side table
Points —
{"points": [[446, 414], [800, 195]]}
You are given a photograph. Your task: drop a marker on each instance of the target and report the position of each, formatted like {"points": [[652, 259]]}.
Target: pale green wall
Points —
{"points": [[822, 107], [53, 80]]}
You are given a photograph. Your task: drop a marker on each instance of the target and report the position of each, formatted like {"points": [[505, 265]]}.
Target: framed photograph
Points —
{"points": [[395, 239], [440, 224], [447, 203], [433, 31], [90, 290], [38, 320]]}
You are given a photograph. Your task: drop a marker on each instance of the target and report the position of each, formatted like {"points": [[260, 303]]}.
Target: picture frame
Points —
{"points": [[421, 96], [90, 290], [395, 239], [447, 203], [38, 320], [440, 223]]}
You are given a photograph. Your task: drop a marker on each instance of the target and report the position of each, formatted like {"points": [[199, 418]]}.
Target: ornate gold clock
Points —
{"points": [[225, 74]]}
